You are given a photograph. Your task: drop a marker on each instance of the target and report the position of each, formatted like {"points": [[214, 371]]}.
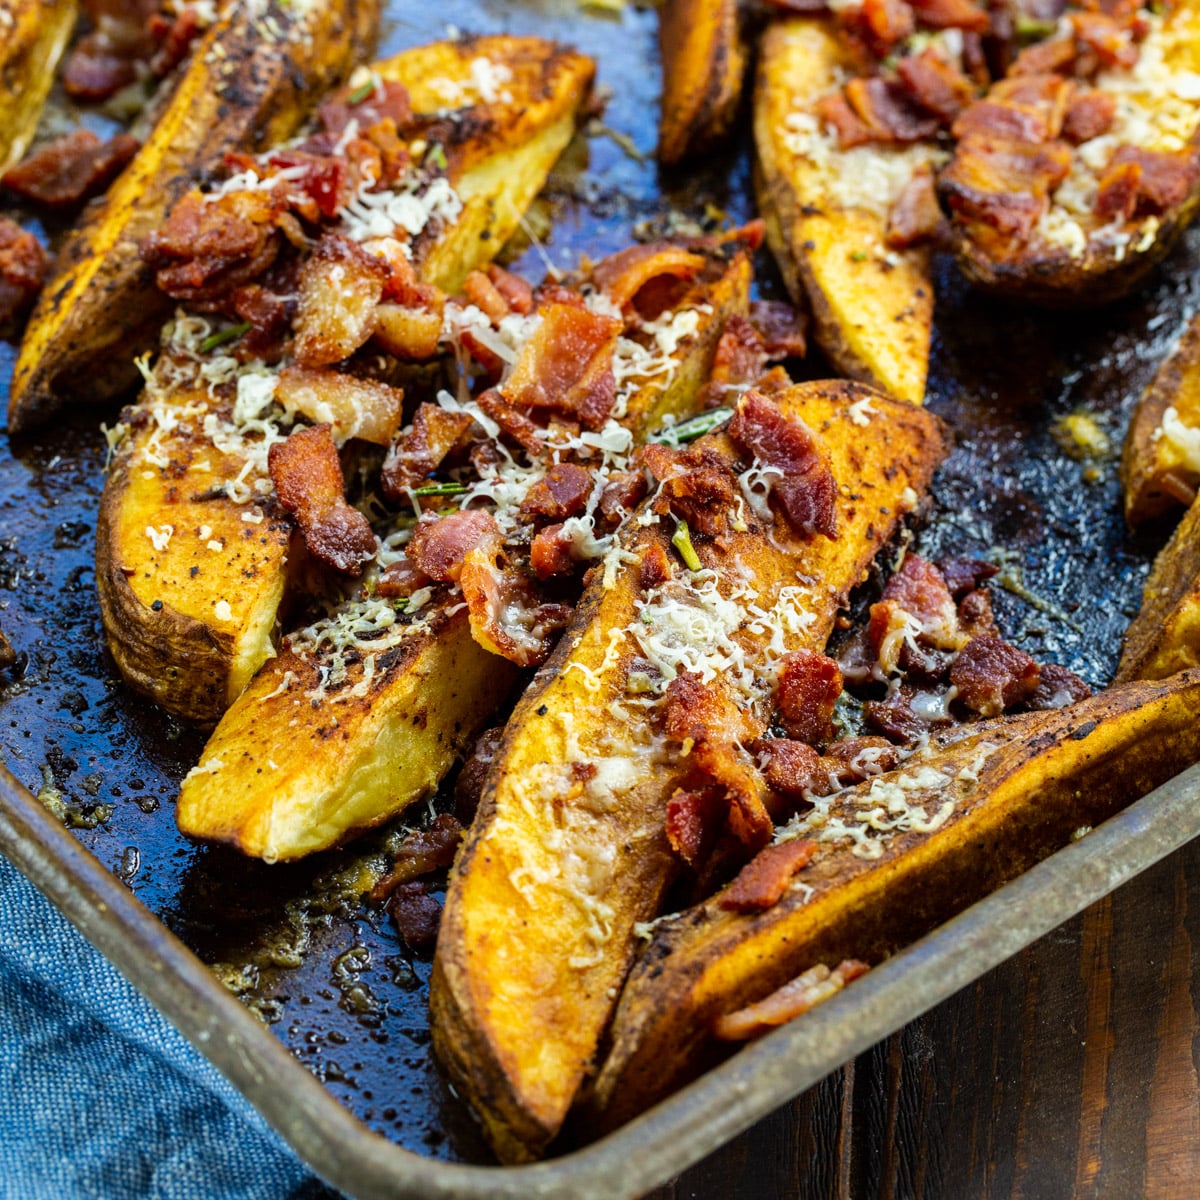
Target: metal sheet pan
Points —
{"points": [[327, 992]]}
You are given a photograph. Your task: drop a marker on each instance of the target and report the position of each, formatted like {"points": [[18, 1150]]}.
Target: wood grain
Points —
{"points": [[1073, 1070]]}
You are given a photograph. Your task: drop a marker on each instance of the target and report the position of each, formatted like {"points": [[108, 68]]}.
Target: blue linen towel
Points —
{"points": [[103, 1098]]}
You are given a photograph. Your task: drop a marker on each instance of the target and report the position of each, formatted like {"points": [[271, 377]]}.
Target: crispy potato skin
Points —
{"points": [[704, 61], [239, 91], [1165, 635], [873, 319], [510, 960], [35, 34], [1148, 458], [162, 607], [1041, 776]]}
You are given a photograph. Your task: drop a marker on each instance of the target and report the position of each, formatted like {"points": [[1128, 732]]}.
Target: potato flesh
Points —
{"points": [[1021, 787], [537, 931], [872, 309]]}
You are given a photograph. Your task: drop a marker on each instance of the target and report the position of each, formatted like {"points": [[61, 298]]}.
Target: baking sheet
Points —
{"points": [[327, 976]]}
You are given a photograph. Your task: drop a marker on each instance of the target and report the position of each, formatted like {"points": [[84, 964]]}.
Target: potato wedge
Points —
{"points": [[826, 212], [35, 34], [1075, 258], [242, 89], [704, 61], [560, 864], [399, 730], [505, 156], [1160, 466], [949, 828], [1165, 635]]}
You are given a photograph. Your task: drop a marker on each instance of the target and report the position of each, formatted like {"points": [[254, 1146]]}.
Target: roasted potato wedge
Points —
{"points": [[826, 212], [1160, 467], [242, 89], [895, 857], [1165, 635], [704, 62], [35, 34], [568, 850], [505, 157]]}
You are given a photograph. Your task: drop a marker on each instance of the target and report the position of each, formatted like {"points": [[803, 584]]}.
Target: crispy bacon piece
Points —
{"points": [[517, 292], [1110, 40], [935, 84], [808, 688], [422, 852], [105, 60], [1055, 55], [209, 246], [1089, 115], [174, 36], [483, 293], [1057, 687], [793, 771], [468, 787], [401, 578], [566, 365], [697, 486], [389, 102], [1027, 108], [308, 479], [23, 266], [895, 717], [623, 492], [975, 614], [920, 589], [1161, 181], [71, 169], [340, 288], [853, 759], [762, 882], [356, 408], [655, 568], [886, 110], [417, 915], [790, 1001], [561, 493], [622, 276], [440, 545], [782, 327], [551, 552], [914, 216], [884, 24], [694, 712], [992, 675], [963, 575], [269, 311], [420, 449], [1117, 193], [740, 359], [835, 112], [951, 14], [514, 424], [694, 821], [806, 492]]}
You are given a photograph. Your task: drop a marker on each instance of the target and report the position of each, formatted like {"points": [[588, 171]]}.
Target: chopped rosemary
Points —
{"points": [[681, 539], [224, 335], [692, 428], [440, 489]]}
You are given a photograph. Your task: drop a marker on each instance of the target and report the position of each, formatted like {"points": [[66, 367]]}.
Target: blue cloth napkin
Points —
{"points": [[103, 1099]]}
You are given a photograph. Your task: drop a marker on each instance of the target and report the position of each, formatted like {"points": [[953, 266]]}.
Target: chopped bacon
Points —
{"points": [[655, 568], [71, 169], [884, 24], [1163, 180], [99, 67], [793, 771], [1027, 108], [694, 712], [1052, 55], [622, 276], [914, 216], [270, 313], [935, 84], [420, 449], [174, 37], [562, 492], [762, 882], [308, 479], [951, 14], [1111, 41], [992, 675], [485, 295], [440, 545], [1089, 115], [835, 111], [1117, 193], [401, 578], [622, 493], [806, 492], [357, 408], [975, 614], [417, 914], [853, 759], [517, 292], [506, 617], [894, 716], [696, 485], [514, 424], [920, 589], [468, 787], [208, 247], [23, 266], [566, 365], [782, 327], [886, 110], [1058, 687], [694, 819], [422, 852], [391, 101], [551, 552], [792, 1000], [808, 688], [963, 575], [340, 288], [740, 359]]}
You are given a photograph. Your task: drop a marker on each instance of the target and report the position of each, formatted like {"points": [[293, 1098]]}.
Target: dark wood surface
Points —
{"points": [[1070, 1071]]}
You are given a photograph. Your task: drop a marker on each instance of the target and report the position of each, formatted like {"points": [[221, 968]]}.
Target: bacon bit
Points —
{"points": [[71, 169], [420, 449], [174, 38], [505, 615], [693, 712], [484, 294], [623, 492], [920, 589], [401, 579], [1058, 687], [468, 787], [934, 84], [440, 545], [340, 287], [1089, 115], [1162, 180], [992, 675], [952, 14], [846, 759], [963, 575], [835, 111], [807, 491], [914, 216], [622, 275], [762, 882], [98, 68], [975, 616], [417, 914], [887, 111], [809, 686], [1117, 193], [782, 327], [23, 266], [561, 493], [885, 23], [895, 716], [514, 424], [696, 485], [1110, 41], [337, 112], [422, 852], [1055, 55], [694, 822], [793, 771], [308, 479], [551, 553], [357, 408], [566, 365], [1028, 108], [740, 359], [208, 248], [790, 1001], [517, 292], [270, 314], [655, 568], [318, 184]]}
